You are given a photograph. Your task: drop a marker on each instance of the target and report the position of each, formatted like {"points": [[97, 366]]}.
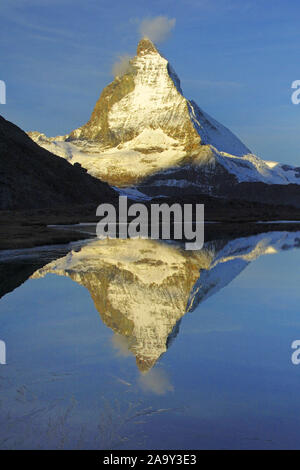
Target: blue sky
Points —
{"points": [[236, 58]]}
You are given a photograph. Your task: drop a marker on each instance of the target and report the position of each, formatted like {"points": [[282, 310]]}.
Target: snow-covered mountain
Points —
{"points": [[142, 288], [144, 133]]}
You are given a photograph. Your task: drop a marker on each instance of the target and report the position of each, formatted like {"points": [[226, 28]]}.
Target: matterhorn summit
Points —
{"points": [[143, 133], [146, 106]]}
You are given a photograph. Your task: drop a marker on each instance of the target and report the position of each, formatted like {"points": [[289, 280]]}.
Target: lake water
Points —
{"points": [[138, 344]]}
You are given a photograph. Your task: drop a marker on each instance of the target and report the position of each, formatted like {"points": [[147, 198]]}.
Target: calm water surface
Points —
{"points": [[138, 344]]}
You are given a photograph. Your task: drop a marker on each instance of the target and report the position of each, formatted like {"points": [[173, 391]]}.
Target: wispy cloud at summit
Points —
{"points": [[157, 29], [121, 66]]}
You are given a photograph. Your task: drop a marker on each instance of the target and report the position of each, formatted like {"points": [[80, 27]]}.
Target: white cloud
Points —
{"points": [[156, 381], [120, 344], [121, 66], [157, 29]]}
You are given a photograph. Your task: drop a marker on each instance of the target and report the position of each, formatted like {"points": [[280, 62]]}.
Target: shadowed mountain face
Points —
{"points": [[142, 288], [32, 177]]}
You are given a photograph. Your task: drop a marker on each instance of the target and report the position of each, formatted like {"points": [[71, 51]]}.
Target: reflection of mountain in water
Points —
{"points": [[142, 288]]}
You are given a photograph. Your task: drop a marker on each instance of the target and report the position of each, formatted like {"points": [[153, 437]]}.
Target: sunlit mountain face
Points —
{"points": [[142, 288], [146, 138]]}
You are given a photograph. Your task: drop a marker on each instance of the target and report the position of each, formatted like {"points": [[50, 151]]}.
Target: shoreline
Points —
{"points": [[27, 229], [14, 237]]}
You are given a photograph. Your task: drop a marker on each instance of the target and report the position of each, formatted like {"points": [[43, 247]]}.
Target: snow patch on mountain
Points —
{"points": [[130, 163]]}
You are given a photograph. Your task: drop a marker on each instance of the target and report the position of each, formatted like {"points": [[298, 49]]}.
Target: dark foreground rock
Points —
{"points": [[31, 177]]}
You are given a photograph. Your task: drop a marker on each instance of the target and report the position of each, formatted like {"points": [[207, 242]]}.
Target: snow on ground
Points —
{"points": [[133, 194], [130, 162], [122, 163], [252, 168]]}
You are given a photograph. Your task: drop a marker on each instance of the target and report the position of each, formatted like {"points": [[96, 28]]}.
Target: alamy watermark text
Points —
{"points": [[296, 94], [159, 221], [2, 92], [2, 352]]}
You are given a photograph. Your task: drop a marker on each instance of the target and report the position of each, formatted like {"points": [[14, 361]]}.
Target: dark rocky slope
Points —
{"points": [[33, 178]]}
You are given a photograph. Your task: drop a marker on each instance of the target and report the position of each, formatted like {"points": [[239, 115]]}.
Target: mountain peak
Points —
{"points": [[146, 46]]}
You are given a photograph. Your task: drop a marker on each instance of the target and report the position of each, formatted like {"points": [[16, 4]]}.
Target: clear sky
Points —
{"points": [[236, 58]]}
